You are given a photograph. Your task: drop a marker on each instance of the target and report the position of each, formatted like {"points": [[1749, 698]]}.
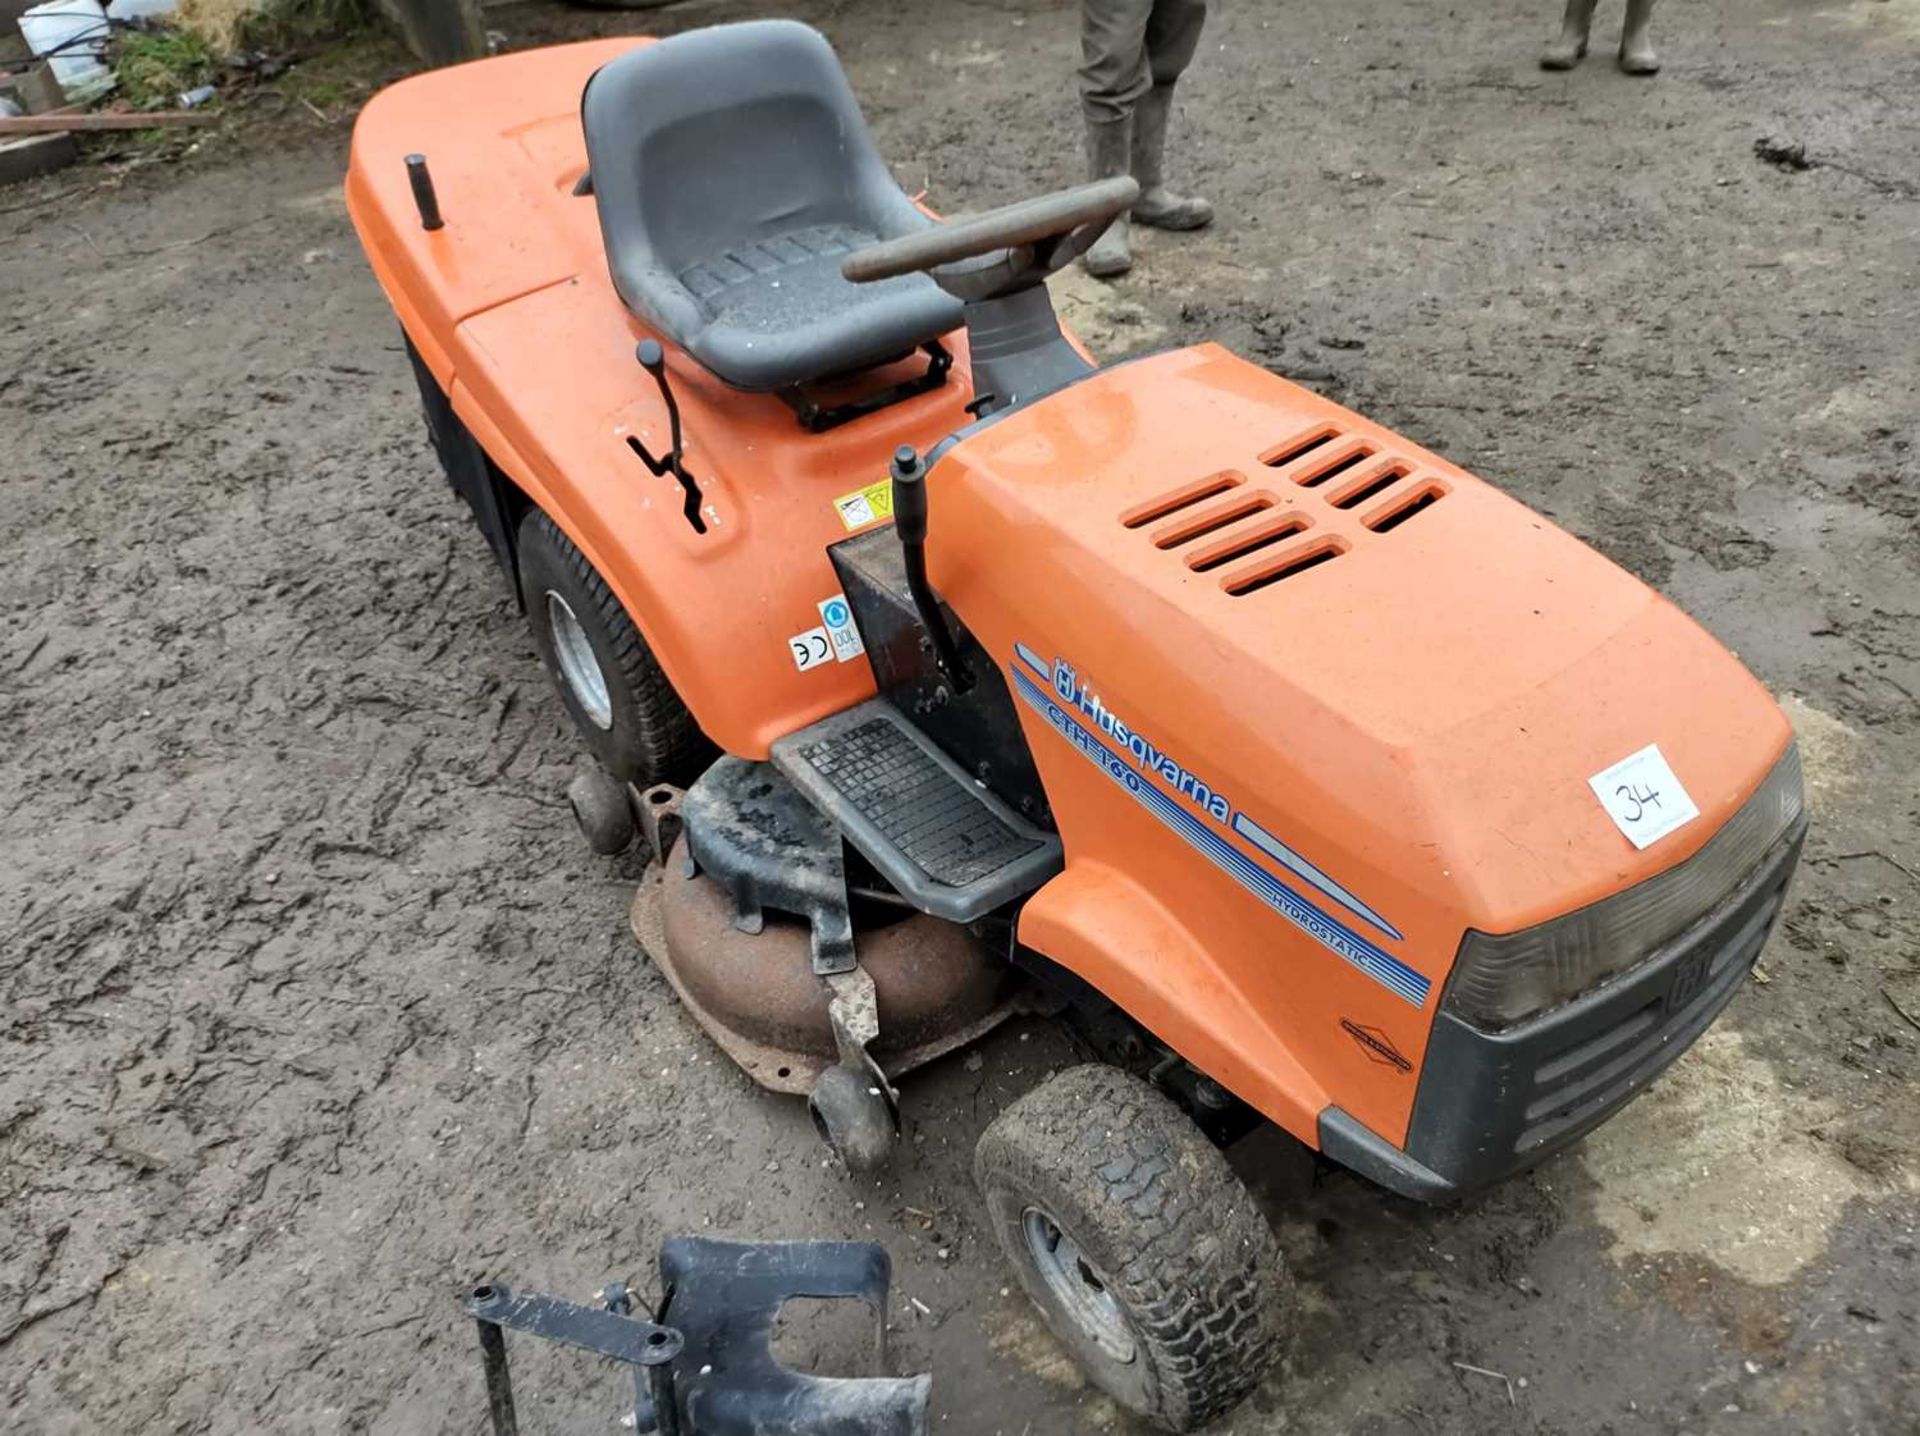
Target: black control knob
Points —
{"points": [[909, 497]]}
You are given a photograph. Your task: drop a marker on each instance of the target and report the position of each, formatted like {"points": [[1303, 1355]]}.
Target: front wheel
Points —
{"points": [[1142, 1249], [602, 809], [620, 701], [852, 1115]]}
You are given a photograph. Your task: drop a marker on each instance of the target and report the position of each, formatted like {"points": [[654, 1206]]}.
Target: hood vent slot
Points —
{"points": [[1293, 564], [1198, 525], [1394, 517], [1140, 515], [1252, 536], [1299, 448], [1367, 488], [1240, 545], [1313, 478]]}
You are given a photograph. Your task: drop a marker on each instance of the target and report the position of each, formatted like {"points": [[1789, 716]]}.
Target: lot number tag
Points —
{"points": [[1643, 797]]}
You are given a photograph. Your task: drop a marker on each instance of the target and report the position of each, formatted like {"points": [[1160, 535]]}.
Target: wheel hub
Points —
{"points": [[1077, 1285], [579, 669]]}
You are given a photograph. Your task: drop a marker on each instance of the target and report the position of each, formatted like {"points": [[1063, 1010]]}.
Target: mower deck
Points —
{"points": [[756, 994]]}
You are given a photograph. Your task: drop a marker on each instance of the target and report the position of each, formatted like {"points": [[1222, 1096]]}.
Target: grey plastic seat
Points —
{"points": [[733, 169]]}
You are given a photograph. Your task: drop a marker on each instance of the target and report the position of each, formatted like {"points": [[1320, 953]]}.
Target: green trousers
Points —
{"points": [[1127, 46]]}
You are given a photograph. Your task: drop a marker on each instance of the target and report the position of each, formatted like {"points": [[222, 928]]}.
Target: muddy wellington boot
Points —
{"points": [[1636, 45], [1159, 206], [1571, 46], [1109, 151]]}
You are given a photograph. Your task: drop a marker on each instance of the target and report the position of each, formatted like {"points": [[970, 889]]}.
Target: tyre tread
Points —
{"points": [[1204, 1281], [672, 747]]}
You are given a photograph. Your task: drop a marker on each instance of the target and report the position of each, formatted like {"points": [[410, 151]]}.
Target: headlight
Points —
{"points": [[1497, 981]]}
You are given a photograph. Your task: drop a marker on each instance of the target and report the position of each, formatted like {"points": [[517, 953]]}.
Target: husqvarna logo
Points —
{"points": [[1064, 700], [1064, 681], [1074, 692]]}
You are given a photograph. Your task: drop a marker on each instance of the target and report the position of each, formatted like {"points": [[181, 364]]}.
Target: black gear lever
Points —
{"points": [[910, 526], [654, 360]]}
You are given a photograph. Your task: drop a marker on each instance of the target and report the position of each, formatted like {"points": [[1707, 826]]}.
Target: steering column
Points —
{"points": [[998, 264]]}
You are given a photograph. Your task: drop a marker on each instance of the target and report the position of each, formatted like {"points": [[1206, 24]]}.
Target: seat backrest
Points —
{"points": [[719, 138]]}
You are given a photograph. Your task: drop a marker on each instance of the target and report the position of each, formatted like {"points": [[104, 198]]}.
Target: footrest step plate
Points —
{"points": [[948, 845]]}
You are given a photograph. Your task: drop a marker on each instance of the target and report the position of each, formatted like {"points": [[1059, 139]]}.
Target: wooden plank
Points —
{"points": [[116, 120]]}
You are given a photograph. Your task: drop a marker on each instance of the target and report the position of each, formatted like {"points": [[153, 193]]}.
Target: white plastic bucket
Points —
{"points": [[140, 9], [72, 34]]}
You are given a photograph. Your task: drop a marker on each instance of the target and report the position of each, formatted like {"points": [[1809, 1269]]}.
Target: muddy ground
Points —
{"points": [[316, 1009]]}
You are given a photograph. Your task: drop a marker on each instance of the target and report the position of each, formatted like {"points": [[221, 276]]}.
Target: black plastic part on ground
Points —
{"points": [[710, 1353]]}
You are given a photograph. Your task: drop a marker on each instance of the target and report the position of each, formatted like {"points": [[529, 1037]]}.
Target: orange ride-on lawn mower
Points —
{"points": [[1312, 778]]}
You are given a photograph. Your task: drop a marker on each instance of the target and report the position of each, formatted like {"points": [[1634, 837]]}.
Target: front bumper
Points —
{"points": [[1491, 1104]]}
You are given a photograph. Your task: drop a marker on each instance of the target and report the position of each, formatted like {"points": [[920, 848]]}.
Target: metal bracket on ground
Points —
{"points": [[710, 1355]]}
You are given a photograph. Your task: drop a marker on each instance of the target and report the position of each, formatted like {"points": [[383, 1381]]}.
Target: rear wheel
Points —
{"points": [[1142, 1249], [613, 688]]}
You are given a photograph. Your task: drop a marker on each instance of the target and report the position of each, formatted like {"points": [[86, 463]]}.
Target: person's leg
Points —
{"points": [[1173, 34], [1159, 206], [1636, 45], [1569, 49], [1113, 76]]}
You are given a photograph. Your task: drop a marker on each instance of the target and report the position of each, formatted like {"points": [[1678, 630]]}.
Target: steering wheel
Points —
{"points": [[1022, 243]]}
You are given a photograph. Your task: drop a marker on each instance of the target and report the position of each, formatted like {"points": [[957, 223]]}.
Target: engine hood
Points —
{"points": [[1403, 675]]}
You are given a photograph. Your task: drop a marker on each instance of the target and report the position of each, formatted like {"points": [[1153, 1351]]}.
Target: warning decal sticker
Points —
{"points": [[810, 649], [836, 638], [865, 506], [837, 615]]}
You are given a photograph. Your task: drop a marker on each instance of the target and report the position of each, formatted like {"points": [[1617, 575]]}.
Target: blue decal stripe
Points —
{"points": [[1033, 661], [1308, 873], [1383, 967]]}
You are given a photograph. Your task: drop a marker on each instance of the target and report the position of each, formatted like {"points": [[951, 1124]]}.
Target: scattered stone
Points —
{"points": [[1783, 154]]}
